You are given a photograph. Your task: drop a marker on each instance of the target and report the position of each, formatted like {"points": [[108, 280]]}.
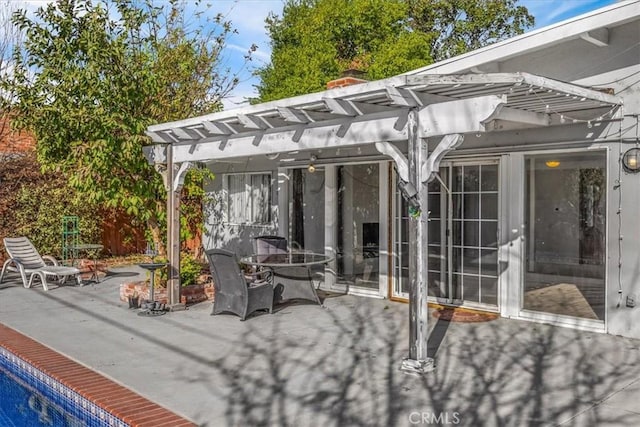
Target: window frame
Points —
{"points": [[248, 199]]}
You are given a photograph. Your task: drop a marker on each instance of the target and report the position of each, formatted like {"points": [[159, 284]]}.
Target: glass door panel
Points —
{"points": [[565, 209], [306, 201], [463, 236], [358, 245]]}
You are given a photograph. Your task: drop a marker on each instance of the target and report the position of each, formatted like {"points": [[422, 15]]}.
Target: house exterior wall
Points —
{"points": [[219, 232], [615, 68]]}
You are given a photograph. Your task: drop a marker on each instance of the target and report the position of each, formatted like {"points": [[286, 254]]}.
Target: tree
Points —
{"points": [[91, 79], [459, 26], [10, 39], [315, 40]]}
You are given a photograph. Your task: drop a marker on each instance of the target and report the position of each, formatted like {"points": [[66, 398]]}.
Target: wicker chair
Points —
{"points": [[232, 291]]}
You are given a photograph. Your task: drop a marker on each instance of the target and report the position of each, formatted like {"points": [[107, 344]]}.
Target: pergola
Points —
{"points": [[403, 109]]}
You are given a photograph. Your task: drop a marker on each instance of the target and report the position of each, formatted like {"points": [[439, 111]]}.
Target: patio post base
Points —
{"points": [[176, 307], [417, 367]]}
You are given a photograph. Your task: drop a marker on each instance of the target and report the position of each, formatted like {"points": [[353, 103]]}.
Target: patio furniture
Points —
{"points": [[269, 245], [291, 273], [25, 260], [233, 293], [92, 250]]}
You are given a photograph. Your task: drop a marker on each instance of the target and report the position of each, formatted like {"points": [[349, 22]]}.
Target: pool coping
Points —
{"points": [[116, 399]]}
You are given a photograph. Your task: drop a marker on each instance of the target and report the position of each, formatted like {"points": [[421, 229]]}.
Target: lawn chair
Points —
{"points": [[232, 291], [25, 259]]}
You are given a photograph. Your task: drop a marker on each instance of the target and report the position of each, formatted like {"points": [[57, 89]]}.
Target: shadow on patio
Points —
{"points": [[344, 371], [311, 366]]}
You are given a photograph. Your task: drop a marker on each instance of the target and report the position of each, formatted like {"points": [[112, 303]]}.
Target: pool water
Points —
{"points": [[29, 397], [22, 405]]}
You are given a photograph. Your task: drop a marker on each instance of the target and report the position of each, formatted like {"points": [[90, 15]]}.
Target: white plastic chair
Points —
{"points": [[25, 260]]}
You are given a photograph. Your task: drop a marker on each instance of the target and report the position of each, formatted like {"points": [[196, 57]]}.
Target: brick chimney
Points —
{"points": [[347, 78]]}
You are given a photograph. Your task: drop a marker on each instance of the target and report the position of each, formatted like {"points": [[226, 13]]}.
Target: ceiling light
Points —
{"points": [[552, 163], [312, 167]]}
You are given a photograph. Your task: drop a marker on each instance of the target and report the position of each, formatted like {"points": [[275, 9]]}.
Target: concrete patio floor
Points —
{"points": [[311, 366]]}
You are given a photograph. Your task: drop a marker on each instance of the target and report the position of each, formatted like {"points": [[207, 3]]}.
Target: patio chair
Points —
{"points": [[269, 245], [25, 260], [233, 293]]}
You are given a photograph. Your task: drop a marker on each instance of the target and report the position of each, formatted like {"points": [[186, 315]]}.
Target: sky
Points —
{"points": [[247, 17]]}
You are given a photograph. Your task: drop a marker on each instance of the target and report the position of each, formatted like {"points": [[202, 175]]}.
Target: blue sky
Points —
{"points": [[248, 18]]}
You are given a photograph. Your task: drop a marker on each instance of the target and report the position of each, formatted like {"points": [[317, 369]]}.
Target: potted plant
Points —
{"points": [[134, 300]]}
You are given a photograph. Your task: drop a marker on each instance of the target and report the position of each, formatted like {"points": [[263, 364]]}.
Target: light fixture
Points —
{"points": [[312, 167], [631, 160], [552, 163]]}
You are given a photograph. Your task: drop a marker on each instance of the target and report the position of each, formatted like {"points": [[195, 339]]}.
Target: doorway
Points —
{"points": [[463, 236], [565, 223], [358, 226]]}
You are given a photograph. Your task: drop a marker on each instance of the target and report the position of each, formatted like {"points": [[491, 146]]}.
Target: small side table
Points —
{"points": [[92, 250]]}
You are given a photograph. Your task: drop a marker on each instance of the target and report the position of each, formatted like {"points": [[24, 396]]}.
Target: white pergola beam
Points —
{"points": [[313, 137], [598, 37], [182, 134], [463, 116], [432, 165], [157, 137], [403, 97], [218, 128], [341, 107], [180, 175], [402, 164], [251, 121], [521, 116], [293, 115]]}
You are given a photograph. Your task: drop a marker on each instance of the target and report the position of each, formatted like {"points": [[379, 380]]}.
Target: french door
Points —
{"points": [[463, 236]]}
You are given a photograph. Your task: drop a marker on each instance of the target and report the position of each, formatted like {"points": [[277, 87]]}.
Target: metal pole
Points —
{"points": [[417, 362]]}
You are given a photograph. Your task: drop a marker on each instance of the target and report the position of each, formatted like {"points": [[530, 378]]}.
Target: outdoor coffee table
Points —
{"points": [[291, 273], [92, 250]]}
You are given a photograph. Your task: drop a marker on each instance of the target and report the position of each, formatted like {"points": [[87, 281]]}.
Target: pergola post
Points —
{"points": [[418, 361], [173, 233]]}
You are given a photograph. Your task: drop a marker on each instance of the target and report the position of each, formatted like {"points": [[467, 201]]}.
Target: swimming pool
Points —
{"points": [[31, 398]]}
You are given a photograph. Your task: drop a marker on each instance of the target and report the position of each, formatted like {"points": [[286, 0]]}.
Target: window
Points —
{"points": [[248, 198]]}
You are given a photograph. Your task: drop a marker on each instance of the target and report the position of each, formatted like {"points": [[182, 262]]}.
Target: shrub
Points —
{"points": [[40, 210], [32, 204], [190, 269]]}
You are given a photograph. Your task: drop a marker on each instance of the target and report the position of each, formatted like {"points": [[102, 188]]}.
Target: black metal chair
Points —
{"points": [[232, 291]]}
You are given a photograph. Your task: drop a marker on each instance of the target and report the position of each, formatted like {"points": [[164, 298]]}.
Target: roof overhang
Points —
{"points": [[377, 111], [592, 27]]}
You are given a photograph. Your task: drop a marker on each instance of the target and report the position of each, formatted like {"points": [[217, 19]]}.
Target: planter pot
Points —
{"points": [[134, 302]]}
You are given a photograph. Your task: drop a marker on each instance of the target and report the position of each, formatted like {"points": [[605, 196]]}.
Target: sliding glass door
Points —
{"points": [[463, 236], [565, 218], [358, 239]]}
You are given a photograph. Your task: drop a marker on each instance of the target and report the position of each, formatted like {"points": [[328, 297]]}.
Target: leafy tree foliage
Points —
{"points": [[32, 204], [315, 40], [91, 78]]}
